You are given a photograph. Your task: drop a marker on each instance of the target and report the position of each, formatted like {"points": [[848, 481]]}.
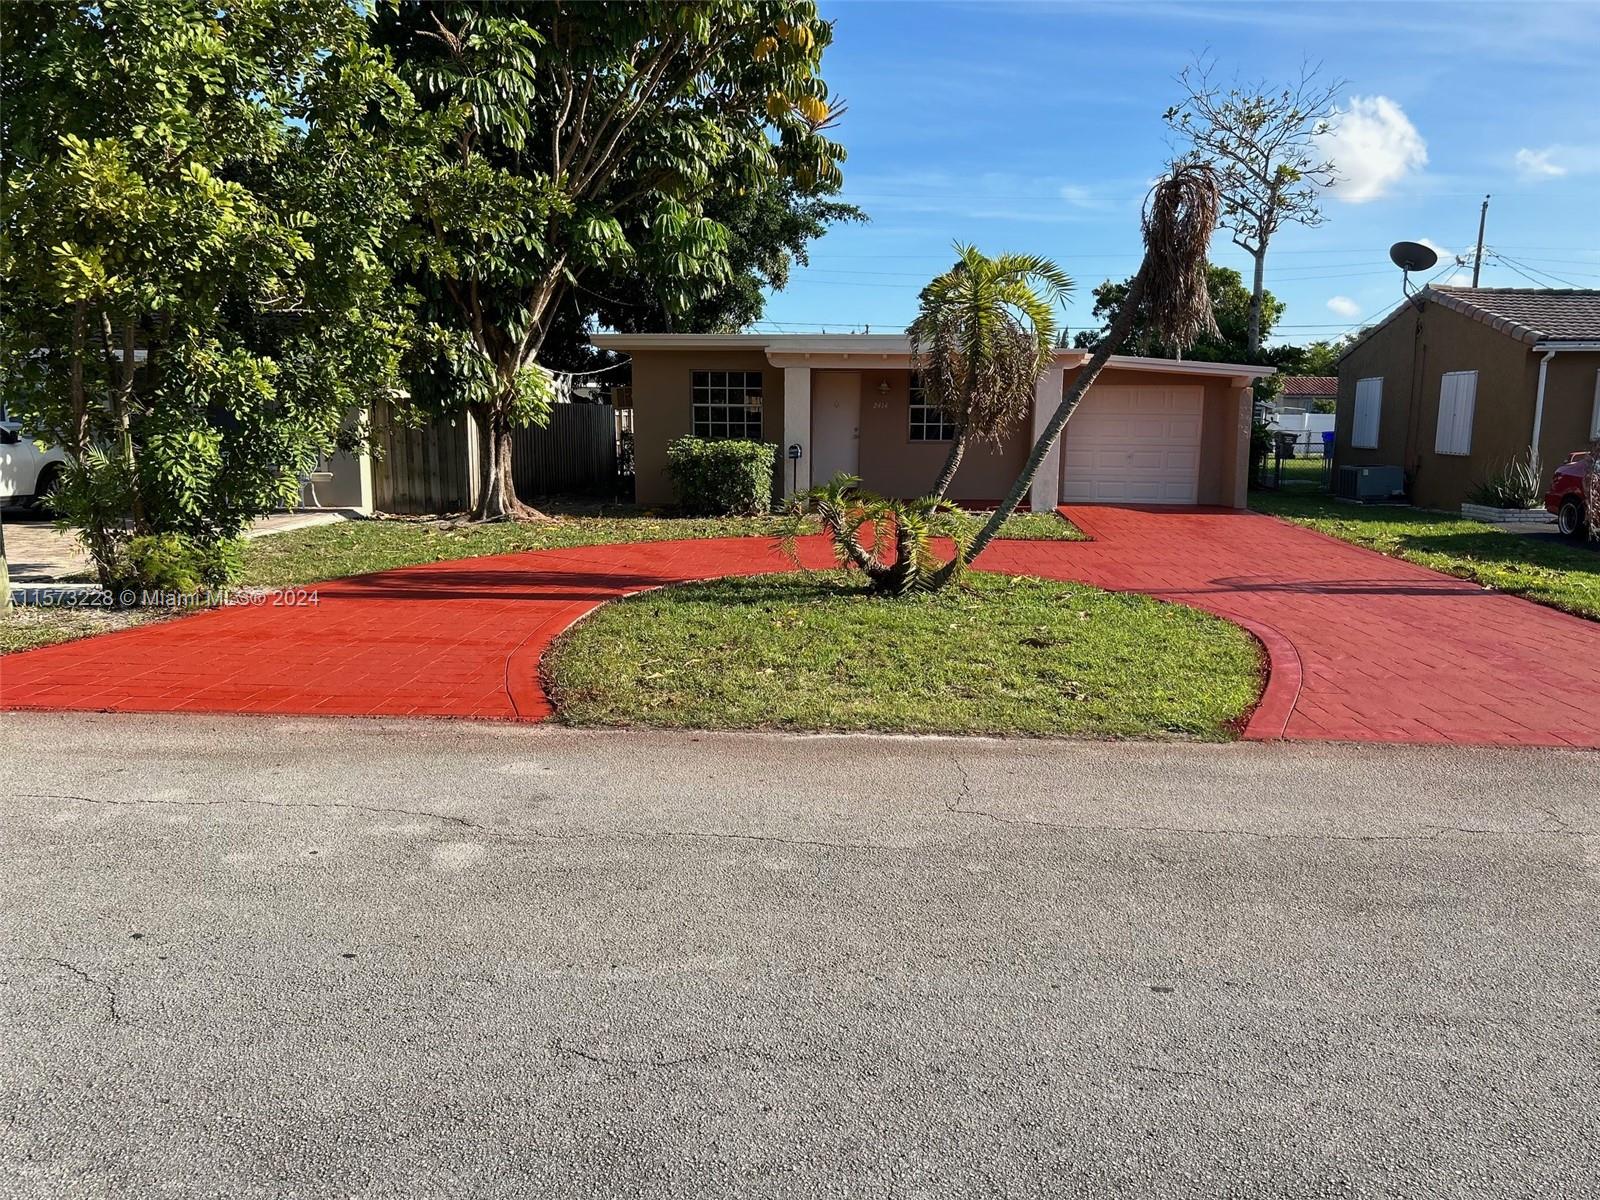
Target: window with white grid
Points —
{"points": [[929, 423], [727, 404]]}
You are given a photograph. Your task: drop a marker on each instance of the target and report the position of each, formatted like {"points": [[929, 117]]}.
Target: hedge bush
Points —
{"points": [[722, 479], [172, 562]]}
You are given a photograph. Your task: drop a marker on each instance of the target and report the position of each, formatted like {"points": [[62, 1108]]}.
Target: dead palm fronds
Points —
{"points": [[1180, 214]]}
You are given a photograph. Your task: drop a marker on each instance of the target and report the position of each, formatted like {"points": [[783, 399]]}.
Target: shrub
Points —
{"points": [[1519, 484], [171, 562], [724, 479]]}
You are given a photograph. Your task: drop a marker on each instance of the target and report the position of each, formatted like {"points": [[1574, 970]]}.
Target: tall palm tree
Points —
{"points": [[983, 335], [1180, 214]]}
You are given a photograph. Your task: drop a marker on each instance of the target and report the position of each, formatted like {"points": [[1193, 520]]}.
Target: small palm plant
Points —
{"points": [[864, 528], [984, 333]]}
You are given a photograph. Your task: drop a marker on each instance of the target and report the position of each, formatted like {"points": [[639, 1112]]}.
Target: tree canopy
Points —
{"points": [[1230, 305], [579, 151], [192, 266]]}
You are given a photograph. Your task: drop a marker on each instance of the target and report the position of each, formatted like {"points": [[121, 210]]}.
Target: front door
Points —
{"points": [[835, 424]]}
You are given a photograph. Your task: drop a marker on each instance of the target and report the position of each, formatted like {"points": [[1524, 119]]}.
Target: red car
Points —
{"points": [[1565, 497]]}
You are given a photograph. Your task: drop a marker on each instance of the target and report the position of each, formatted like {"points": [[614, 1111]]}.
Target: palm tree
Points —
{"points": [[1169, 288], [983, 336]]}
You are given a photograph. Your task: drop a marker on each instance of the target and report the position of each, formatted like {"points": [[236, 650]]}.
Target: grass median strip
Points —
{"points": [[996, 655], [1561, 574]]}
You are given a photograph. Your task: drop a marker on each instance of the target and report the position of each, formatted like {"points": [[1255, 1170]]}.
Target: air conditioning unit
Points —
{"points": [[1370, 483]]}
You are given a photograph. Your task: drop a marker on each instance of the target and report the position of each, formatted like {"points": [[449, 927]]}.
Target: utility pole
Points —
{"points": [[1477, 259]]}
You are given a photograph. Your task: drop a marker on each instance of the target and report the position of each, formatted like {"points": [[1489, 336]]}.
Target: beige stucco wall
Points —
{"points": [[1412, 354], [893, 465], [1568, 405], [662, 407], [1223, 469]]}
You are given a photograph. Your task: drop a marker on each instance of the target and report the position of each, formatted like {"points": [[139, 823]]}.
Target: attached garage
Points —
{"points": [[1134, 445]]}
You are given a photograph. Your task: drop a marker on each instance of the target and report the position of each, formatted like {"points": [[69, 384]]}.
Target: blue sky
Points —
{"points": [[1037, 127]]}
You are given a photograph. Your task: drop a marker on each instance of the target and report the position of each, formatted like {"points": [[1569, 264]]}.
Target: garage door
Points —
{"points": [[1134, 445]]}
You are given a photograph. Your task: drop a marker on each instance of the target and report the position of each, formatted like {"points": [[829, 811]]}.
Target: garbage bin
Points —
{"points": [[1327, 444], [1286, 438]]}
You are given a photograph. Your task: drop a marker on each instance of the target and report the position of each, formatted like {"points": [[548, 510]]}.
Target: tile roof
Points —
{"points": [[1310, 385], [1528, 314]]}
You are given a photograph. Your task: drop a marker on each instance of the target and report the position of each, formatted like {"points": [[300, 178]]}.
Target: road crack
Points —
{"points": [[112, 1011], [561, 1047]]}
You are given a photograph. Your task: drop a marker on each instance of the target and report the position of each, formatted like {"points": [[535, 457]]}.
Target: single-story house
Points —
{"points": [[1457, 383], [1150, 430], [1308, 393]]}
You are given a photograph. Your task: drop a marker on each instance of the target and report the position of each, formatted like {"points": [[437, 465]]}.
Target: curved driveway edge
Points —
{"points": [[1362, 647]]}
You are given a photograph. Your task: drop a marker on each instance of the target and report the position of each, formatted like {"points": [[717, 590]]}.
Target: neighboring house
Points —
{"points": [[1458, 382], [1308, 394], [1150, 431]]}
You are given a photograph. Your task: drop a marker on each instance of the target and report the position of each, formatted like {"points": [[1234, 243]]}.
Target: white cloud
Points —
{"points": [[1077, 195], [1373, 145], [1343, 306], [1553, 162], [1460, 279], [1435, 247]]}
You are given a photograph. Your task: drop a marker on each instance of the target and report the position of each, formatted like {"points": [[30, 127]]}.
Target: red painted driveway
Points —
{"points": [[1363, 647]]}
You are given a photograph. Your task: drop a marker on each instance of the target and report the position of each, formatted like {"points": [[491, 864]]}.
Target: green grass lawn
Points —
{"points": [[995, 655], [304, 556], [1562, 575]]}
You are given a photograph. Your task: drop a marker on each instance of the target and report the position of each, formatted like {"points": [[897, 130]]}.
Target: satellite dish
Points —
{"points": [[1412, 256]]}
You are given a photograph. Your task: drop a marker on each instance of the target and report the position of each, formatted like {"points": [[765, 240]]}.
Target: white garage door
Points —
{"points": [[1134, 445]]}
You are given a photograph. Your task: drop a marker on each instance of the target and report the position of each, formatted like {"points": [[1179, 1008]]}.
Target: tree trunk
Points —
{"points": [[1121, 326], [498, 500], [951, 465], [5, 571], [1256, 290]]}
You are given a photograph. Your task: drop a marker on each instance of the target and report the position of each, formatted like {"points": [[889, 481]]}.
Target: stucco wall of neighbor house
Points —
{"points": [[1223, 469], [1569, 400], [1502, 420], [893, 465], [662, 407]]}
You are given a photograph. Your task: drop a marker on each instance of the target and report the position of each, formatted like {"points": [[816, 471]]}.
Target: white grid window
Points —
{"points": [[1458, 397], [727, 404], [1369, 405], [928, 422]]}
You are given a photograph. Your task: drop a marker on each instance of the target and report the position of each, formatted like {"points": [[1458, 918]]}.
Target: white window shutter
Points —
{"points": [[1369, 407], [1458, 393]]}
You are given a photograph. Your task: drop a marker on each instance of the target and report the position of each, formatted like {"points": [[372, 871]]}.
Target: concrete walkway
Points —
{"points": [[1362, 647], [38, 552]]}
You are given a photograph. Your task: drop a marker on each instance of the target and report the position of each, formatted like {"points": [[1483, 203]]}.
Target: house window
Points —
{"points": [[727, 404], [928, 422], [1458, 396], [1369, 405]]}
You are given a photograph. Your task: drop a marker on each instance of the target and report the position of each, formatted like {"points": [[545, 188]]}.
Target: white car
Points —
{"points": [[27, 472]]}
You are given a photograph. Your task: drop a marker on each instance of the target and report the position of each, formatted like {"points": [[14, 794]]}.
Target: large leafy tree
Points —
{"points": [[1261, 141], [194, 287], [984, 333], [580, 145], [1230, 305]]}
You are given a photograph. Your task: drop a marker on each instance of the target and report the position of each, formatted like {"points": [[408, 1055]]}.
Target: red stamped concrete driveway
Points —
{"points": [[1362, 647]]}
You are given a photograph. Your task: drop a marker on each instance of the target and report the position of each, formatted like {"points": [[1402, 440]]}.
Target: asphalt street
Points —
{"points": [[257, 957]]}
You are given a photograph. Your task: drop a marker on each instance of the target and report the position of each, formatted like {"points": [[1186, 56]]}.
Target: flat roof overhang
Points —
{"points": [[867, 350]]}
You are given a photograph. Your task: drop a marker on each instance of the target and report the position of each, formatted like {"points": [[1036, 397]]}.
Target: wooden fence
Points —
{"points": [[419, 470], [425, 470]]}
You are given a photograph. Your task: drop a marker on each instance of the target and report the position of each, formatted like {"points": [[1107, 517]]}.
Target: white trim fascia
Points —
{"points": [[863, 349]]}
